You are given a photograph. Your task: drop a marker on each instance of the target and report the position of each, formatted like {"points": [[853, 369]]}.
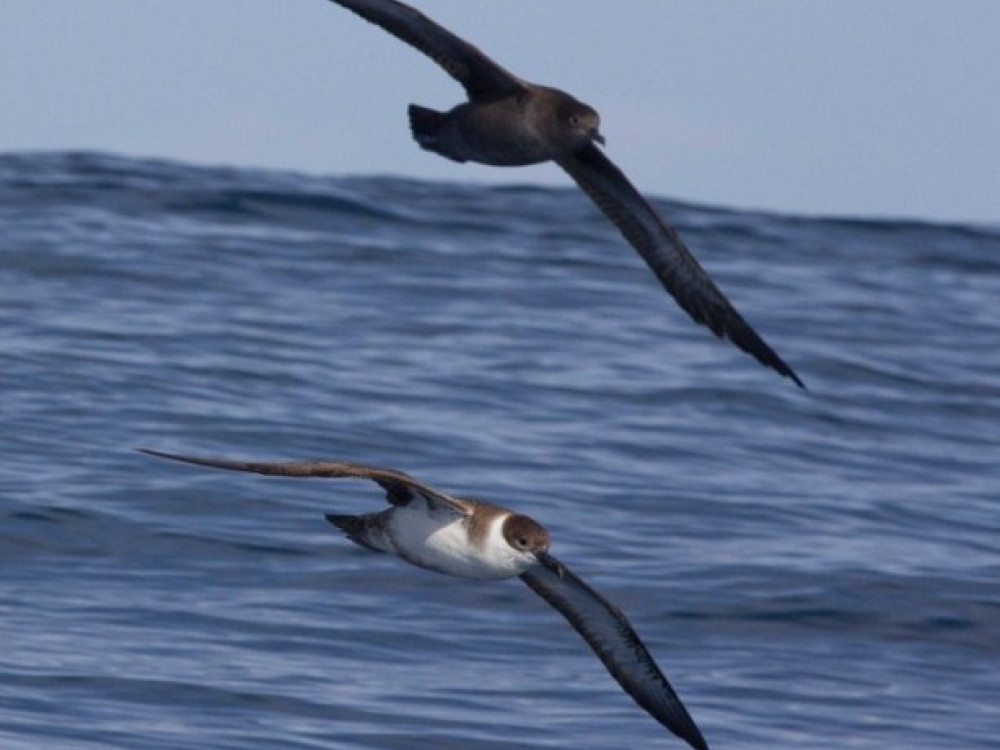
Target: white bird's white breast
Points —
{"points": [[440, 541]]}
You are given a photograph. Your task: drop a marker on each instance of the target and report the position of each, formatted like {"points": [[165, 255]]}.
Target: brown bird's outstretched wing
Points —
{"points": [[612, 637], [462, 61], [399, 487], [661, 247]]}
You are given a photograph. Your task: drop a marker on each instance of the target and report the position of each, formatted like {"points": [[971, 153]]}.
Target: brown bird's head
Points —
{"points": [[580, 121]]}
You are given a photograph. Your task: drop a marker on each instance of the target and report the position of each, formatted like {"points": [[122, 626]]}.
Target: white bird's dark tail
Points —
{"points": [[365, 530]]}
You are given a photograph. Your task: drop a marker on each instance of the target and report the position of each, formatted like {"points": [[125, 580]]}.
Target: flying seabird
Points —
{"points": [[473, 539], [508, 121]]}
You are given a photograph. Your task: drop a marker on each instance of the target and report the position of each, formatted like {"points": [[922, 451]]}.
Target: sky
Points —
{"points": [[887, 109]]}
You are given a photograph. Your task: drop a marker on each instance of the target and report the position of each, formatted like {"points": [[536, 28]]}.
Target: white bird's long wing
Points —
{"points": [[612, 637], [399, 487]]}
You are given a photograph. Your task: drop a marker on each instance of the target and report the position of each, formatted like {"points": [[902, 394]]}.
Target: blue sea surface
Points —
{"points": [[815, 569]]}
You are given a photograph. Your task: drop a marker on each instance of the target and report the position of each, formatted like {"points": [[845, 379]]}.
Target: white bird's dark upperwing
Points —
{"points": [[661, 247], [614, 640], [399, 487], [464, 62]]}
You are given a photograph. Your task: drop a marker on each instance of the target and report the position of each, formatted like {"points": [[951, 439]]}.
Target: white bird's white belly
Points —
{"points": [[440, 541]]}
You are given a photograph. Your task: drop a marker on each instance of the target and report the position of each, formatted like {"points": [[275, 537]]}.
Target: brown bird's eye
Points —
{"points": [[523, 542]]}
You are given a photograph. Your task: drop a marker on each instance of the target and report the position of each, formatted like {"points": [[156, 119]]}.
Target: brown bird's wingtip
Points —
{"points": [[795, 379], [779, 366]]}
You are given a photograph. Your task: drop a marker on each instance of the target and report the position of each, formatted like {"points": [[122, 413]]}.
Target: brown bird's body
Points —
{"points": [[534, 125]]}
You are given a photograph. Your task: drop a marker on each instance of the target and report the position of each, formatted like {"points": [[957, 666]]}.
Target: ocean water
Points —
{"points": [[813, 569]]}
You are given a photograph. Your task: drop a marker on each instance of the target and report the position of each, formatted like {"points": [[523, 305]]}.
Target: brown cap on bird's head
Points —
{"points": [[525, 534]]}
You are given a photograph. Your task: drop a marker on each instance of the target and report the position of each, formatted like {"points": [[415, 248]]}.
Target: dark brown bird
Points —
{"points": [[508, 121]]}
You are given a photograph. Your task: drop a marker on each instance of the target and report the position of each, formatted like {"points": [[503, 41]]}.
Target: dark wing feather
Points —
{"points": [[616, 643], [462, 61], [661, 247], [399, 487]]}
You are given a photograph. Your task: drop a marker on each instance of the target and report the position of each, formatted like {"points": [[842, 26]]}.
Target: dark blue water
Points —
{"points": [[813, 570]]}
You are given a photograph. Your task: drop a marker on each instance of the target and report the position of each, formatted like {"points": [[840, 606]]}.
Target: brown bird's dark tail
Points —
{"points": [[426, 126]]}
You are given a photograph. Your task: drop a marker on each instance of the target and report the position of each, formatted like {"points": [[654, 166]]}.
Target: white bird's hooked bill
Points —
{"points": [[508, 121], [473, 539]]}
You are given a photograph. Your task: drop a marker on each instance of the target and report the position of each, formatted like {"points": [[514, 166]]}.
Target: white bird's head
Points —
{"points": [[527, 538]]}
